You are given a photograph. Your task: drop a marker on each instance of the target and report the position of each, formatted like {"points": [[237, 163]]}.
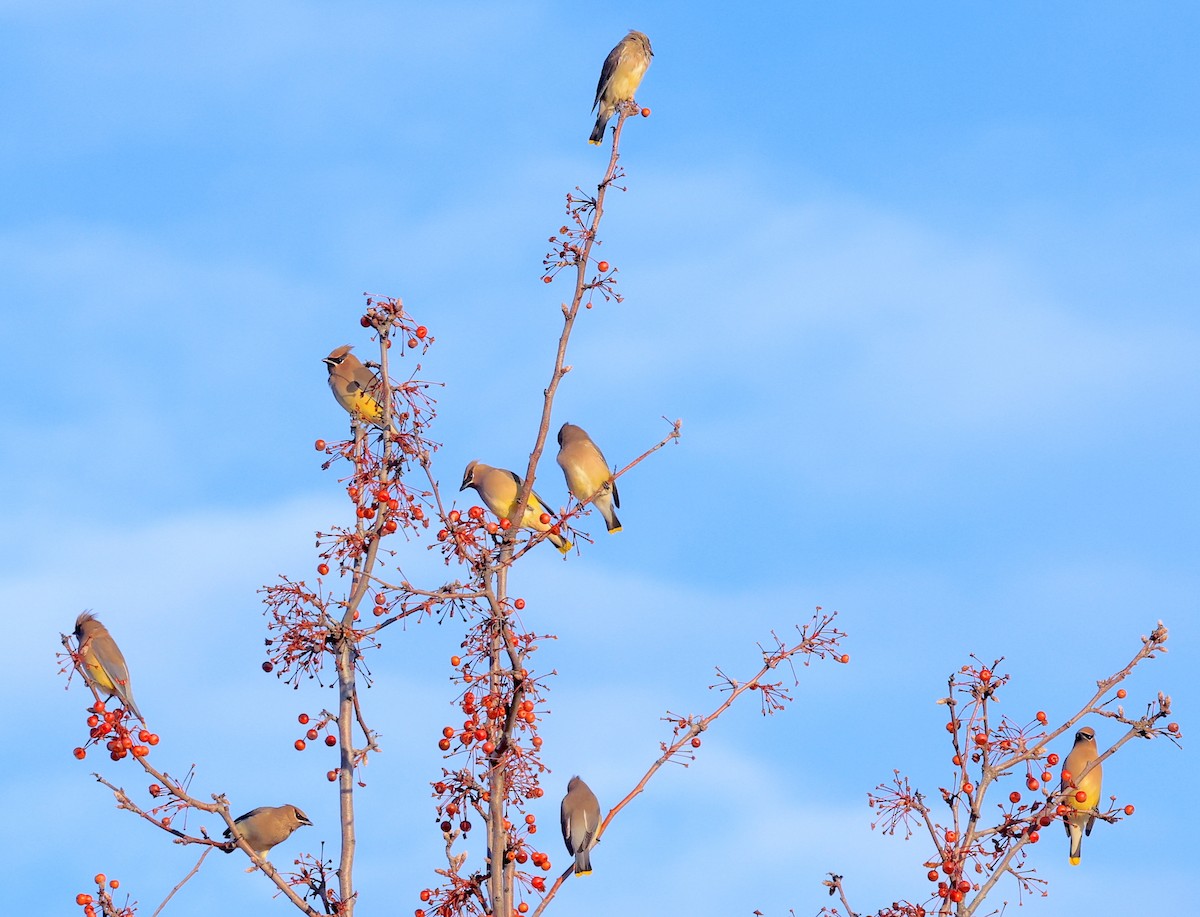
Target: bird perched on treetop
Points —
{"points": [[587, 473], [355, 387], [104, 666], [267, 826], [1079, 822], [620, 77], [580, 815], [499, 488]]}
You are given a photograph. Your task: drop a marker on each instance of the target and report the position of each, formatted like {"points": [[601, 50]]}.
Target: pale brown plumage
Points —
{"points": [[580, 815], [267, 826], [620, 77], [587, 473], [103, 663], [1080, 821], [499, 489], [355, 387]]}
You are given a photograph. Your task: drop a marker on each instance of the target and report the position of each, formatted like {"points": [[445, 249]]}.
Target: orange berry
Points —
{"points": [[1081, 796], [114, 884], [544, 518], [1172, 727], [519, 604], [448, 731], [100, 878], [696, 742], [492, 528], [332, 776], [444, 744], [602, 266], [412, 342], [949, 727], [1122, 693], [456, 661], [981, 739], [155, 789], [331, 740], [1061, 809], [166, 821], [475, 512], [1032, 784], [390, 526], [1014, 797], [505, 524], [968, 787], [956, 760], [530, 819], [964, 886], [1047, 776], [1129, 810], [83, 898], [80, 753], [536, 741], [1041, 717], [955, 895], [426, 894], [985, 675], [319, 445], [489, 747], [1067, 776], [932, 875], [454, 516], [422, 331], [300, 745], [645, 113], [302, 719], [547, 279], [312, 734], [323, 569], [1052, 759], [1034, 837], [845, 657], [365, 321]]}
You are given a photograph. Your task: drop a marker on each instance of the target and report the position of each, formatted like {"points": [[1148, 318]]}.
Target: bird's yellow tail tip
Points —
{"points": [[565, 547], [592, 143], [614, 530], [583, 872], [1074, 861]]}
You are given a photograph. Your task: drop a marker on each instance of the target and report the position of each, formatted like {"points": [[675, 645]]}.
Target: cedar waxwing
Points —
{"points": [[620, 77], [103, 665], [587, 474], [267, 826], [355, 387], [580, 821], [1080, 822], [499, 489]]}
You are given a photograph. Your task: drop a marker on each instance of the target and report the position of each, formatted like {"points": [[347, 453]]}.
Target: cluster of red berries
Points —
{"points": [[313, 733], [103, 722], [87, 902]]}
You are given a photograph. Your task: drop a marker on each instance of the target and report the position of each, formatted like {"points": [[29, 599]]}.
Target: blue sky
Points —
{"points": [[920, 283]]}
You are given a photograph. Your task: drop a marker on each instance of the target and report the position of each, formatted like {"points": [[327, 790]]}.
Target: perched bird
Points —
{"points": [[355, 387], [587, 473], [1079, 822], [580, 821], [499, 489], [620, 77], [103, 665], [267, 826]]}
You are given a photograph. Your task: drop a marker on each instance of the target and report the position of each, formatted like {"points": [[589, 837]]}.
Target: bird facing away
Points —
{"points": [[355, 387], [620, 77], [1079, 822], [587, 473], [580, 821], [103, 664], [267, 826], [499, 489]]}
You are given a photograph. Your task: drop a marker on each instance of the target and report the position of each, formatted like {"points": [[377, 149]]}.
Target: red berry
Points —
{"points": [[323, 569], [519, 604], [319, 445], [80, 753], [602, 267], [696, 742], [1014, 797], [444, 744], [1041, 717], [300, 745], [1129, 810], [331, 741], [422, 331]]}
